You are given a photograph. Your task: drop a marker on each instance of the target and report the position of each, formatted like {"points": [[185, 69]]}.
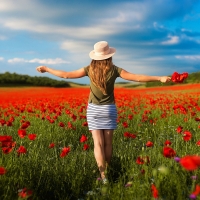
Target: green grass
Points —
{"points": [[50, 177]]}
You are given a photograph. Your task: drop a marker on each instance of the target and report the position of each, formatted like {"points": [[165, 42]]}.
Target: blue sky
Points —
{"points": [[152, 37]]}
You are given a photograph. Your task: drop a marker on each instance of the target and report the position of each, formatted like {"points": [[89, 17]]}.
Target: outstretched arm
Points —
{"points": [[143, 78], [62, 74]]}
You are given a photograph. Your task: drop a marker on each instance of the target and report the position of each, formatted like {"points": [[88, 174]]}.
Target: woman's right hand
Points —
{"points": [[41, 69]]}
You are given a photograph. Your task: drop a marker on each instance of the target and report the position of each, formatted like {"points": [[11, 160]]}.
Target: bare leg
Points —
{"points": [[108, 135], [98, 137]]}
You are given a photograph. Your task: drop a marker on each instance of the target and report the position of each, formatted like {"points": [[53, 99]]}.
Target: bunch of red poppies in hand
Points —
{"points": [[179, 78]]}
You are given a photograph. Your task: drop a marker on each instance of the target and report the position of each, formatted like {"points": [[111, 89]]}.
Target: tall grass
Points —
{"points": [[75, 176]]}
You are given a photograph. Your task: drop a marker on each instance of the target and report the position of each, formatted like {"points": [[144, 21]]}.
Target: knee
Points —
{"points": [[98, 145]]}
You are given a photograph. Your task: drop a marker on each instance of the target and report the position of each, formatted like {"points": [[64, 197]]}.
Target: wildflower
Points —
{"points": [[142, 160], [179, 129], [8, 123], [6, 150], [194, 177], [154, 191], [179, 78], [85, 147], [168, 152], [149, 144], [83, 138], [190, 162], [21, 150], [125, 124], [22, 133], [2, 170], [24, 193], [25, 125], [65, 151], [198, 143], [32, 136], [61, 124], [52, 145], [167, 143], [85, 124], [196, 192], [177, 159], [127, 134], [187, 136]]}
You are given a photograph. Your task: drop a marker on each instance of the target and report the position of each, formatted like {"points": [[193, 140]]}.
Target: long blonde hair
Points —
{"points": [[98, 73]]}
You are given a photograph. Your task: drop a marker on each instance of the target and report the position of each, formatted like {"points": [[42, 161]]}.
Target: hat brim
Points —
{"points": [[102, 57]]}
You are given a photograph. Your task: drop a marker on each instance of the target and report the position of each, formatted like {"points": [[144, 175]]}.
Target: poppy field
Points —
{"points": [[47, 149]]}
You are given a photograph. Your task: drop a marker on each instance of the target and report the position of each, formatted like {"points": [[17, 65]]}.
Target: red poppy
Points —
{"points": [[149, 144], [154, 191], [85, 124], [130, 135], [187, 136], [179, 129], [127, 134], [2, 170], [5, 138], [24, 193], [85, 147], [83, 138], [197, 119], [52, 145], [130, 117], [8, 123], [74, 117], [125, 124], [197, 190], [65, 151], [61, 124], [142, 160], [21, 150], [133, 135], [179, 78], [190, 162], [32, 136], [6, 150], [2, 122], [22, 133], [25, 125], [168, 152], [168, 143], [198, 143]]}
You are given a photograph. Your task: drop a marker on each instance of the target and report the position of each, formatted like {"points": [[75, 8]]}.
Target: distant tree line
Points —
{"points": [[192, 78], [13, 79]]}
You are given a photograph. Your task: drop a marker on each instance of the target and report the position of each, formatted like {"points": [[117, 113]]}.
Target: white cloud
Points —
{"points": [[40, 61], [2, 37], [172, 40], [16, 60], [1, 58], [189, 57], [49, 61], [75, 46]]}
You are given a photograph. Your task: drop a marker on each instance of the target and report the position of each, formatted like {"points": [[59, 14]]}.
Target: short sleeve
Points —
{"points": [[118, 71], [86, 69]]}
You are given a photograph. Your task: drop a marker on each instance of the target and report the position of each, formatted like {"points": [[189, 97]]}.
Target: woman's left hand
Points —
{"points": [[165, 79], [41, 69]]}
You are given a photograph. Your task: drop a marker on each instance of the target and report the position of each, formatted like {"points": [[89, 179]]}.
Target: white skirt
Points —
{"points": [[101, 116]]}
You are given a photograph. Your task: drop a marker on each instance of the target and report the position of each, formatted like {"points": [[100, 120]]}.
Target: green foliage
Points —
{"points": [[13, 79], [74, 177]]}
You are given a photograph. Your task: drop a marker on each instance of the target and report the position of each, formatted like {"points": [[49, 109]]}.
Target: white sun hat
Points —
{"points": [[102, 51]]}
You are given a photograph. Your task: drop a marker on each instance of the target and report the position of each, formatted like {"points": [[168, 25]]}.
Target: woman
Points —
{"points": [[101, 110]]}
